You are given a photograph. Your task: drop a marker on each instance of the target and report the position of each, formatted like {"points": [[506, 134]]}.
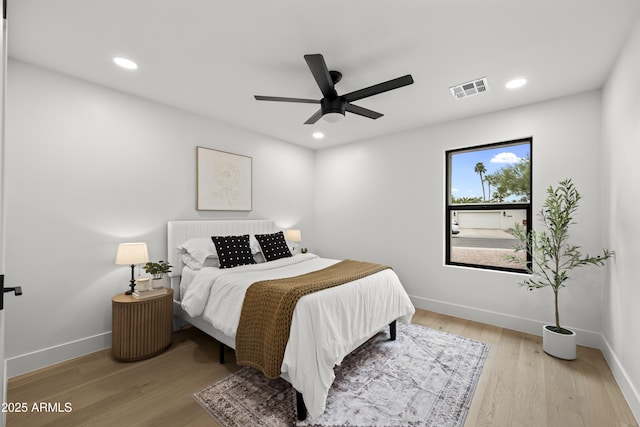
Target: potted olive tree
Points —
{"points": [[553, 258], [157, 271]]}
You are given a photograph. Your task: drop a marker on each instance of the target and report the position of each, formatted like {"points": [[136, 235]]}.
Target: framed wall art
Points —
{"points": [[223, 181]]}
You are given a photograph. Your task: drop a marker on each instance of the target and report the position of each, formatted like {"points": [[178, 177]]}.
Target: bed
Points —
{"points": [[325, 326]]}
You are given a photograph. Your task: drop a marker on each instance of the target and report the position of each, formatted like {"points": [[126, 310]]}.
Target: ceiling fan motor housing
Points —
{"points": [[332, 105]]}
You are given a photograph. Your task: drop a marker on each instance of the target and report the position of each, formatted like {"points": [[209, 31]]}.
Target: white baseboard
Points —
{"points": [[28, 362], [521, 324], [534, 327], [629, 391]]}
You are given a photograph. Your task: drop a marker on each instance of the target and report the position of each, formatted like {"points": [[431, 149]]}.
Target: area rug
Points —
{"points": [[423, 378]]}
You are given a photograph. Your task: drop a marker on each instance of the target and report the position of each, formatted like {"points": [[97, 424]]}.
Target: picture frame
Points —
{"points": [[224, 181]]}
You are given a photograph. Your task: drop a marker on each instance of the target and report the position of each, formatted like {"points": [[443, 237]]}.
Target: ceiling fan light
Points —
{"points": [[333, 117]]}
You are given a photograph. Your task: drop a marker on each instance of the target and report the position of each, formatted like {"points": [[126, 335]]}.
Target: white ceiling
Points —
{"points": [[210, 57]]}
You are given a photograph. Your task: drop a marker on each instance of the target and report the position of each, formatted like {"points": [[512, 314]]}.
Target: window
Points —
{"points": [[488, 192]]}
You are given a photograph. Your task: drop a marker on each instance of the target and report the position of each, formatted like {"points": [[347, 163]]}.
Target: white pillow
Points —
{"points": [[194, 264], [201, 248], [254, 245]]}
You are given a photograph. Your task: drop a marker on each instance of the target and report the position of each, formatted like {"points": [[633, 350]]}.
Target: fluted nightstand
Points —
{"points": [[141, 328]]}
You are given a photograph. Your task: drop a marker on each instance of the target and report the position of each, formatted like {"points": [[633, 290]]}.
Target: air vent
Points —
{"points": [[471, 88]]}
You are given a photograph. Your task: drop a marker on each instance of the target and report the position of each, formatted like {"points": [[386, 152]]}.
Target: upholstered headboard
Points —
{"points": [[179, 232]]}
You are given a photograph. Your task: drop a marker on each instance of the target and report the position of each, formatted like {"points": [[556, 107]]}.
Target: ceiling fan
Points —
{"points": [[332, 105]]}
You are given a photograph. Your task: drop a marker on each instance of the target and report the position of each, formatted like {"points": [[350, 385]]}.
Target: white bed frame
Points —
{"points": [[179, 232]]}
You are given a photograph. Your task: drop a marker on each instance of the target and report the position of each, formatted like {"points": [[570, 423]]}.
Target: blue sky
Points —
{"points": [[465, 182]]}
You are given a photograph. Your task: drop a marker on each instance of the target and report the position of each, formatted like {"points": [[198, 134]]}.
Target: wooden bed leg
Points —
{"points": [[301, 409], [392, 330], [222, 346]]}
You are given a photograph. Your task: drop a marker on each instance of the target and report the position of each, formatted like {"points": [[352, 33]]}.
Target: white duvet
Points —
{"points": [[326, 325]]}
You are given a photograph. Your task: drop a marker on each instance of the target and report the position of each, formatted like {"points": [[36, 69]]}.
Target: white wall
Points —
{"points": [[621, 149], [89, 168], [383, 200]]}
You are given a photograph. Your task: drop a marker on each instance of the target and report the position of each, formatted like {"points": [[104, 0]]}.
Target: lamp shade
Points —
{"points": [[132, 253], [293, 235]]}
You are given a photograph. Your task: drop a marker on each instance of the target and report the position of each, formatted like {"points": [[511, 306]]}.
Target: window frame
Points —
{"points": [[450, 208]]}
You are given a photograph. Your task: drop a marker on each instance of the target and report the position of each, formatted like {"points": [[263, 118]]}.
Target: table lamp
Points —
{"points": [[293, 236], [132, 254]]}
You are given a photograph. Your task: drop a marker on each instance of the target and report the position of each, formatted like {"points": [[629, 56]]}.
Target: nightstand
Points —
{"points": [[141, 328]]}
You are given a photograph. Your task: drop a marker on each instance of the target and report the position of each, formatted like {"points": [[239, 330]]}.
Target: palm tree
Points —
{"points": [[491, 179], [480, 169], [500, 194]]}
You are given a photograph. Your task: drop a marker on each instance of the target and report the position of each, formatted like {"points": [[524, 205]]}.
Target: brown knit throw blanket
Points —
{"points": [[265, 320]]}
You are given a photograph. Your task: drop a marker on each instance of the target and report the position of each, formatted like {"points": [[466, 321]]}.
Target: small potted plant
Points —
{"points": [[157, 271], [552, 258]]}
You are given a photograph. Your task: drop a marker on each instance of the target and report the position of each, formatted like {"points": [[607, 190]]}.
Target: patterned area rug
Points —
{"points": [[424, 378]]}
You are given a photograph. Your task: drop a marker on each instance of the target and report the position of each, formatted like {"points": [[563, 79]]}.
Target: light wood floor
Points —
{"points": [[519, 386]]}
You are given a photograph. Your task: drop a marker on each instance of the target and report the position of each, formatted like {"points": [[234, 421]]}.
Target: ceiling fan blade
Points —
{"points": [[281, 99], [379, 88], [362, 111], [316, 116], [321, 74]]}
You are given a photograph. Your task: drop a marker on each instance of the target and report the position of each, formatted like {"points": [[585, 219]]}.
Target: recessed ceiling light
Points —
{"points": [[318, 135], [125, 63], [516, 83]]}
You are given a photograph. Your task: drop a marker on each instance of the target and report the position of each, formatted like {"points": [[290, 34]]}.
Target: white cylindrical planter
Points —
{"points": [[562, 346], [159, 283]]}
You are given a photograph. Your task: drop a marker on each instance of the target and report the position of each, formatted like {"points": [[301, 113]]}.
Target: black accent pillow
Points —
{"points": [[274, 246], [233, 250]]}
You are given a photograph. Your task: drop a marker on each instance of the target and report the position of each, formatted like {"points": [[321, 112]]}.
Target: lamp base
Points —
{"points": [[132, 282]]}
